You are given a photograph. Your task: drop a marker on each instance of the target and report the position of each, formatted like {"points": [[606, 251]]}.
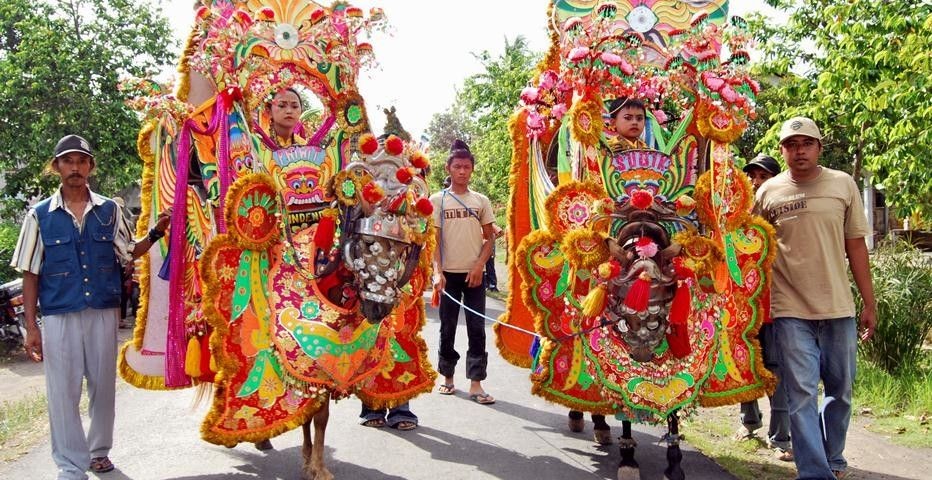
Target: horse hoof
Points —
{"points": [[323, 474], [629, 473]]}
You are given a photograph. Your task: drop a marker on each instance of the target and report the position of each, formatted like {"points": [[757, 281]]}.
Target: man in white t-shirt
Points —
{"points": [[819, 219], [463, 219]]}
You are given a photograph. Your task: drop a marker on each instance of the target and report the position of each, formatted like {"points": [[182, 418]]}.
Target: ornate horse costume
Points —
{"points": [[641, 269], [291, 275]]}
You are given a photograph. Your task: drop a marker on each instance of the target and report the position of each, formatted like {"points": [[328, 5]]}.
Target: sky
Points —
{"points": [[430, 46]]}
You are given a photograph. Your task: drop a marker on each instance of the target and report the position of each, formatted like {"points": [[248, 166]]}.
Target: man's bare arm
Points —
{"points": [[859, 262], [33, 342]]}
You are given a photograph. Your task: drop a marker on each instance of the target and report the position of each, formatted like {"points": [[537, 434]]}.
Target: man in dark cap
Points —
{"points": [[762, 168], [71, 250]]}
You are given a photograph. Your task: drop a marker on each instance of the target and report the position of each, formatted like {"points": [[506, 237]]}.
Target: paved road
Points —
{"points": [[521, 437]]}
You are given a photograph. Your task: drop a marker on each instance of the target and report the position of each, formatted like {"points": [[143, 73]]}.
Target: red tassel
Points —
{"points": [[323, 236], [680, 308], [207, 375], [638, 296]]}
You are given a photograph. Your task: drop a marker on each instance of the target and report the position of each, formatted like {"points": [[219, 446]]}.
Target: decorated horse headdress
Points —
{"points": [[295, 264], [637, 263]]}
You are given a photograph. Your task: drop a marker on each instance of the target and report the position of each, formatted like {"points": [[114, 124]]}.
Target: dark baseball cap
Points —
{"points": [[72, 143], [765, 162]]}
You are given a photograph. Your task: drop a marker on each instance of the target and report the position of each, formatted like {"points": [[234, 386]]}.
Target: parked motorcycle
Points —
{"points": [[12, 317]]}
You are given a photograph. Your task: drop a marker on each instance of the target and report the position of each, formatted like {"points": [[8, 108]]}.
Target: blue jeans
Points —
{"points": [[813, 350], [392, 417], [778, 432]]}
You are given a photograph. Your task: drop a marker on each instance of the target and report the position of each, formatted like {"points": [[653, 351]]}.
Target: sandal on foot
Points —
{"points": [[101, 465], [785, 455], [743, 433], [374, 423], [446, 389], [482, 398], [405, 425]]}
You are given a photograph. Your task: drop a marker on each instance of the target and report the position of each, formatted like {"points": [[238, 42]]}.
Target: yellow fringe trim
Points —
{"points": [[584, 248], [144, 147], [595, 191], [136, 379], [513, 236], [234, 199], [184, 67], [230, 439], [540, 386], [397, 398]]}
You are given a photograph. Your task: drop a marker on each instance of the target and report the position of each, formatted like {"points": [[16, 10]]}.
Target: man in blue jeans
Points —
{"points": [[820, 222]]}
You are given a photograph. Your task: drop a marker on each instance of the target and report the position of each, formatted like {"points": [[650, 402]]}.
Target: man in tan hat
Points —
{"points": [[71, 250], [820, 221]]}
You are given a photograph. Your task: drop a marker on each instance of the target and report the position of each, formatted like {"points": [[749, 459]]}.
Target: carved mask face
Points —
{"points": [[382, 264], [302, 185]]}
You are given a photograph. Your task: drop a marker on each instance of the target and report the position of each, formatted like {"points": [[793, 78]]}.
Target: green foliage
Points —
{"points": [[444, 127], [60, 62], [480, 116], [903, 288], [773, 102], [899, 404], [867, 82], [9, 234]]}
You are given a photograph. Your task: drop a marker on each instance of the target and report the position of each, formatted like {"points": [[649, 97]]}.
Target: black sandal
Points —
{"points": [[374, 423], [101, 465]]}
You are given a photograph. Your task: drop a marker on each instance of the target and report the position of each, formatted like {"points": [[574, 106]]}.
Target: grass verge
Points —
{"points": [[710, 430], [22, 424], [899, 407], [25, 422]]}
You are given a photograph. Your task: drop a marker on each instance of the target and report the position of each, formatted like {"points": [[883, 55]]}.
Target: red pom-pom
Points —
{"points": [[372, 192], [202, 13], [354, 12], [317, 16], [243, 18], [266, 14], [680, 269], [394, 145], [424, 207], [368, 144], [642, 199], [231, 95], [404, 175], [323, 236], [419, 160]]}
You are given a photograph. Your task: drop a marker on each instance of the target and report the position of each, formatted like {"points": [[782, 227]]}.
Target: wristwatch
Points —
{"points": [[155, 234]]}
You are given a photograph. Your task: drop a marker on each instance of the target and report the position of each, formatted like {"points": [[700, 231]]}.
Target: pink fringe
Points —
{"points": [[176, 341]]}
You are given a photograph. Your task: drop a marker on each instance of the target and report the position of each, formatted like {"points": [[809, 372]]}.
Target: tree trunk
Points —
{"points": [[859, 153]]}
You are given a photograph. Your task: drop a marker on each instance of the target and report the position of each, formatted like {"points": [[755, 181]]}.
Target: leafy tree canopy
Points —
{"points": [[480, 116], [60, 62], [867, 82]]}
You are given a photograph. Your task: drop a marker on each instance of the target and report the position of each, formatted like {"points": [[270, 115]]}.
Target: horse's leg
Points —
{"points": [[674, 471], [317, 456], [307, 450], [628, 468]]}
